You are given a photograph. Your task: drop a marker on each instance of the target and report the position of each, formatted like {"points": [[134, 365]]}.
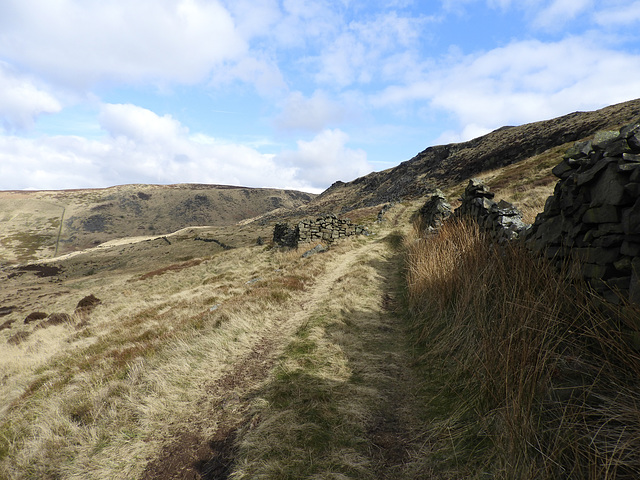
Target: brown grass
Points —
{"points": [[530, 378]]}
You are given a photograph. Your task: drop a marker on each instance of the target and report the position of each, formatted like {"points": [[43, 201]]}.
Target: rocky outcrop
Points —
{"points": [[594, 213]]}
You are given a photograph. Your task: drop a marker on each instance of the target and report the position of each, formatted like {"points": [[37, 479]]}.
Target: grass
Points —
{"points": [[101, 396], [529, 378]]}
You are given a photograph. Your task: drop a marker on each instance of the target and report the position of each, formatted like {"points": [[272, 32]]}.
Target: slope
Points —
{"points": [[42, 224]]}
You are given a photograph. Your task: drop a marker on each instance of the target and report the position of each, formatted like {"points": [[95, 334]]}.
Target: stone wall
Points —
{"points": [[327, 229], [592, 217], [501, 220], [594, 213]]}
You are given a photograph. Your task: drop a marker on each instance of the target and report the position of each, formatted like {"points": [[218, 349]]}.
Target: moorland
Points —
{"points": [[156, 332]]}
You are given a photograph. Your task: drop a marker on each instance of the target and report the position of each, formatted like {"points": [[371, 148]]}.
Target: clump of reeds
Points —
{"points": [[531, 377]]}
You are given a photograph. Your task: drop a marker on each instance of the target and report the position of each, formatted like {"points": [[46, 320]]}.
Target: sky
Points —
{"points": [[288, 93]]}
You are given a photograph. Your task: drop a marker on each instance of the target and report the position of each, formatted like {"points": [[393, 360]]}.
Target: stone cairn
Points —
{"points": [[594, 214], [328, 229]]}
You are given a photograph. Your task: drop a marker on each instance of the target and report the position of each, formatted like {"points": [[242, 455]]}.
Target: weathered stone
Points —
{"points": [[623, 265], [631, 219], [608, 241], [592, 270], [578, 150], [604, 138], [630, 248], [603, 214], [590, 174], [617, 148], [609, 188], [631, 157], [313, 251], [598, 256], [563, 170]]}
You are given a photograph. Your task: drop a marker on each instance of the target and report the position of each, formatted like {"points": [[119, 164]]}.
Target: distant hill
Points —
{"points": [[443, 165], [39, 224]]}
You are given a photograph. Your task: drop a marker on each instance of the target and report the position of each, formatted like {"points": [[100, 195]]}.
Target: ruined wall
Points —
{"points": [[327, 229], [501, 220], [592, 217]]}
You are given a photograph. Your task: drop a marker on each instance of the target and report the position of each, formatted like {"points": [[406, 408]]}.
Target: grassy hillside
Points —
{"points": [[390, 356], [43, 224]]}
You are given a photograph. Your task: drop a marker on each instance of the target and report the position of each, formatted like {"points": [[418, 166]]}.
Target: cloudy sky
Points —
{"points": [[288, 93]]}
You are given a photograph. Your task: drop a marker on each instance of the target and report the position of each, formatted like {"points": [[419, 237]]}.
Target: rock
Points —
{"points": [[32, 317], [603, 138], [317, 249], [603, 214], [87, 304]]}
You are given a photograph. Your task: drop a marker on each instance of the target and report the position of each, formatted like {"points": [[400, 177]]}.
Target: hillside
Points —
{"points": [[444, 165], [41, 224], [186, 351]]}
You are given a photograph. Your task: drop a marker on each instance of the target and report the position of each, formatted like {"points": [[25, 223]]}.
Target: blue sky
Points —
{"points": [[288, 93]]}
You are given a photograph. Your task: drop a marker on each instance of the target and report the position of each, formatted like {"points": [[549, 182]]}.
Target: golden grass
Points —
{"points": [[529, 378], [101, 399]]}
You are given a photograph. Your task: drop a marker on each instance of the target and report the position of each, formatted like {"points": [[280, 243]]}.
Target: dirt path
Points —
{"points": [[190, 455]]}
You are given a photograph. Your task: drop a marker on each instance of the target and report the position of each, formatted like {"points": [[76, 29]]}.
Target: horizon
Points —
{"points": [[288, 95]]}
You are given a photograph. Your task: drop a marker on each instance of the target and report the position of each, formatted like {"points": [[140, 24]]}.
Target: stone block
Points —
{"points": [[623, 265], [603, 214], [563, 170], [593, 270], [608, 241], [631, 219], [603, 138], [617, 148], [596, 255], [630, 248], [592, 173]]}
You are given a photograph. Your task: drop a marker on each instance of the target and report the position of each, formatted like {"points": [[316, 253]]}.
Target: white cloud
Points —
{"points": [[559, 12], [524, 81], [620, 15], [325, 159], [363, 50], [313, 113], [143, 147], [82, 42], [139, 124], [21, 100]]}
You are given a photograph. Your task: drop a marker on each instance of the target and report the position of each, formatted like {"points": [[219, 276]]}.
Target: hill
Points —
{"points": [[445, 165], [42, 224], [204, 354]]}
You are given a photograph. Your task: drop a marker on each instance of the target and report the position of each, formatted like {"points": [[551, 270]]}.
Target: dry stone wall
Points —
{"points": [[502, 220], [592, 217], [594, 213], [328, 229]]}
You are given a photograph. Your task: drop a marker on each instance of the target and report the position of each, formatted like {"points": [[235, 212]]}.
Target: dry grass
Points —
{"points": [[529, 378], [98, 396]]}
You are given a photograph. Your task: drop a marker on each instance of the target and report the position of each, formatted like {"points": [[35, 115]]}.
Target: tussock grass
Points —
{"points": [[530, 377], [97, 398]]}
